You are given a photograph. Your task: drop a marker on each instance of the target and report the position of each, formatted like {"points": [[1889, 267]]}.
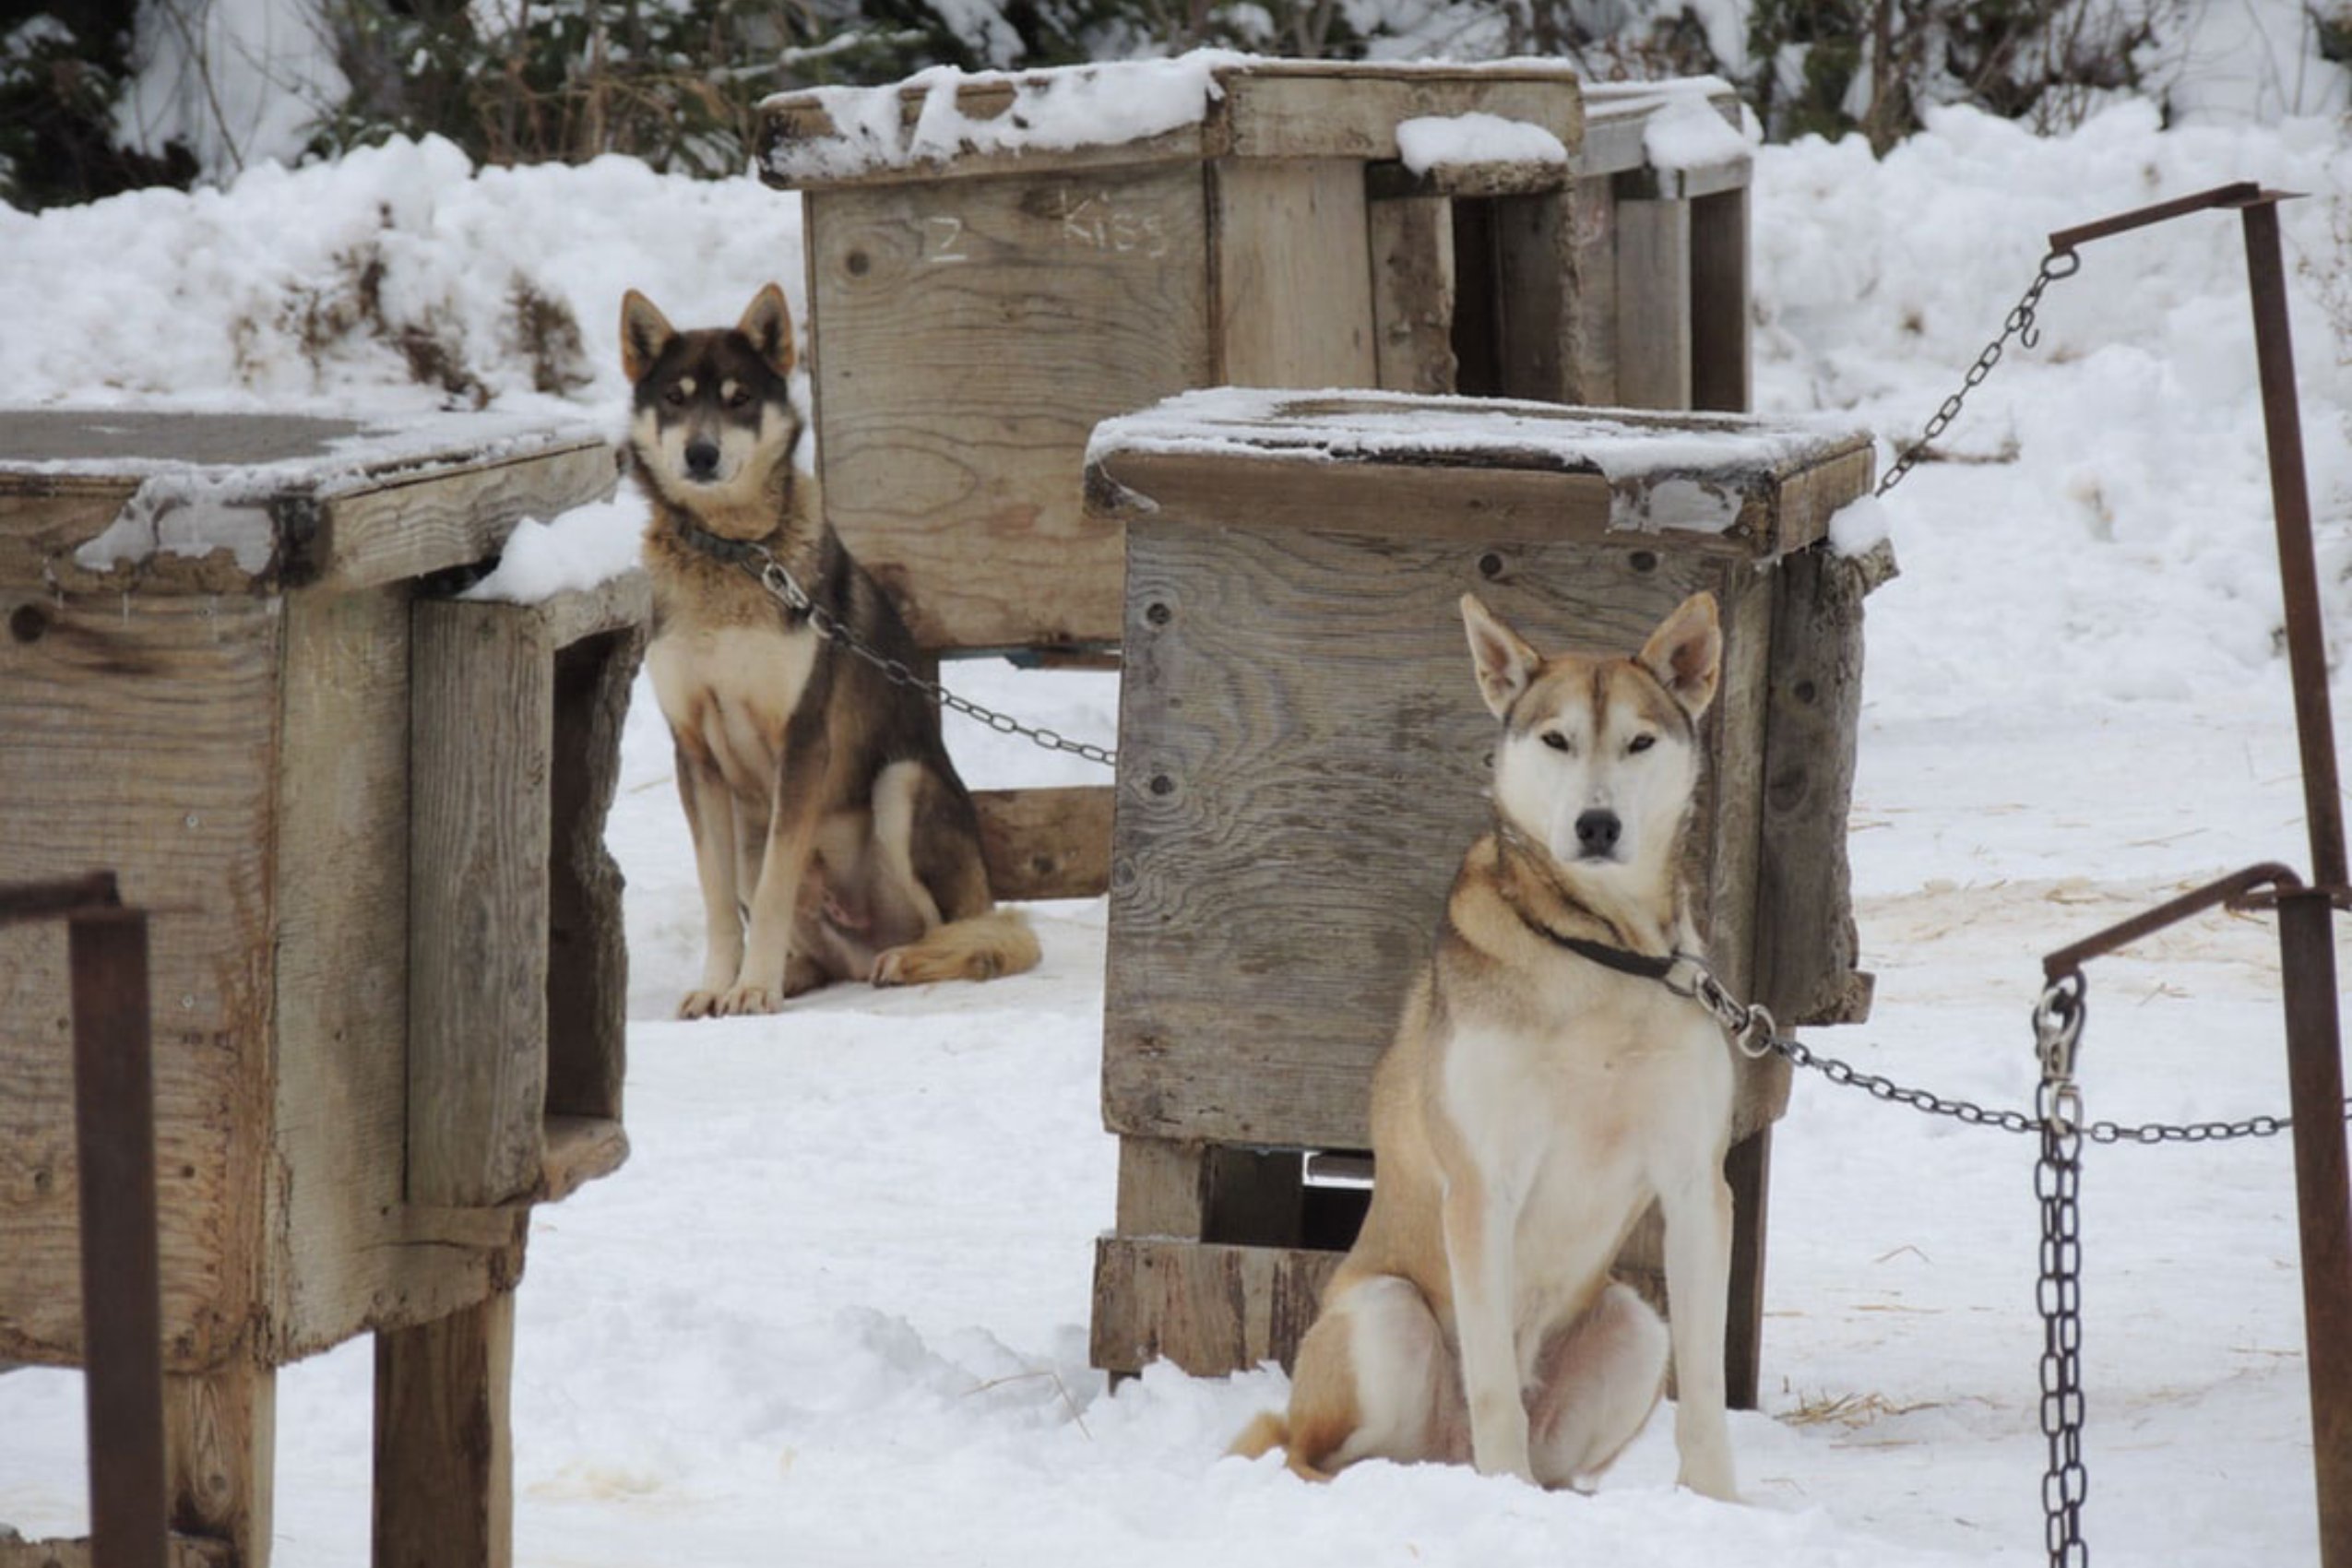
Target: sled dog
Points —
{"points": [[1539, 1092], [833, 838]]}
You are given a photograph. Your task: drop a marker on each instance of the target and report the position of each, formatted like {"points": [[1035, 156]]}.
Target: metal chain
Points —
{"points": [[2019, 325], [2057, 1031], [1750, 1029], [786, 589]]}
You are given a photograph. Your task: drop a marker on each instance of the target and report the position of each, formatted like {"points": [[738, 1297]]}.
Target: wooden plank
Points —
{"points": [[1211, 1310], [580, 1149], [1282, 112], [1749, 1170], [1264, 110], [1163, 1187], [1653, 304], [613, 605], [346, 1254], [1394, 182], [1806, 942], [973, 336], [220, 1443], [380, 532], [1554, 277], [1046, 843], [1616, 120], [588, 951], [480, 752], [1294, 684], [1719, 311], [1413, 293], [1291, 289], [1590, 363], [445, 1460], [142, 736], [180, 1551]]}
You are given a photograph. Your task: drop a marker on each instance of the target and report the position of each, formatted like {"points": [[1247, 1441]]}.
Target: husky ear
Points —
{"points": [[1505, 662], [645, 332], [1686, 652], [768, 321]]}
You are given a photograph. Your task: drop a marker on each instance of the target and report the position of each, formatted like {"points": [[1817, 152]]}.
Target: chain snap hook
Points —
{"points": [[2058, 1028]]}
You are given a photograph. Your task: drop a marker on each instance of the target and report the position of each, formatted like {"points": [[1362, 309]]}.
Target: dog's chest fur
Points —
{"points": [[729, 694], [1570, 1102]]}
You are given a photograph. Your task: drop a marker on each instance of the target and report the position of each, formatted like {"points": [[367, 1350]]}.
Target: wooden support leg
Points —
{"points": [[1749, 1170], [444, 1453], [1654, 304], [1719, 375], [220, 1436]]}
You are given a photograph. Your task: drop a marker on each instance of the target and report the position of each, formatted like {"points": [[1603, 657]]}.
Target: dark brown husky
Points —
{"points": [[832, 837]]}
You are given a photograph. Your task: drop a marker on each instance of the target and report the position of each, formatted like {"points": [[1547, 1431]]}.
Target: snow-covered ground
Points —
{"points": [[833, 1311]]}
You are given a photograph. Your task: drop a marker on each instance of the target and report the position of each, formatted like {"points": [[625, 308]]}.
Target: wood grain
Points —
{"points": [[380, 531], [180, 1551], [220, 1445], [1413, 293], [588, 951], [445, 1457], [1046, 843], [1291, 688], [1210, 1309], [345, 1254], [480, 752], [142, 737], [1653, 304], [970, 336], [1291, 292], [1806, 941]]}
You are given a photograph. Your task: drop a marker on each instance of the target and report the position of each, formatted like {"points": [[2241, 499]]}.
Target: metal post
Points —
{"points": [[2315, 1087], [2298, 573], [122, 1311]]}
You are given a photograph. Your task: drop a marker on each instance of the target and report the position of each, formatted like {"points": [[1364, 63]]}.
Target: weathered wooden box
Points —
{"points": [[1303, 757], [989, 274], [367, 818]]}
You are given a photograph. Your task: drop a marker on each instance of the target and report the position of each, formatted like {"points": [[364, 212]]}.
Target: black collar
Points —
{"points": [[748, 556], [1608, 955]]}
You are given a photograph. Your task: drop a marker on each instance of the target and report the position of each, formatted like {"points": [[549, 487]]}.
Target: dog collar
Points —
{"points": [[745, 555]]}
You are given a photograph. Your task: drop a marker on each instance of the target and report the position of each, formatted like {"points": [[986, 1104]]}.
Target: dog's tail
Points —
{"points": [[1268, 1431], [980, 947]]}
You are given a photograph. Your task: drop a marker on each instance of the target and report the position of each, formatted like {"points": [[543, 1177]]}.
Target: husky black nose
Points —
{"points": [[702, 459], [1597, 832]]}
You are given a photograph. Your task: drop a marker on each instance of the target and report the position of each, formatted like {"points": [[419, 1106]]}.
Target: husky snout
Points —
{"points": [[1597, 835], [702, 460]]}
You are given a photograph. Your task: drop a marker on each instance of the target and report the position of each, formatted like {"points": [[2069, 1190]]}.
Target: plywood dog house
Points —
{"points": [[1304, 758], [367, 819], [997, 263]]}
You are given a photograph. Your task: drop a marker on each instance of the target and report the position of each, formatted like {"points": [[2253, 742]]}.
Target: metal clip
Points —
{"points": [[1751, 1027], [2058, 1028], [778, 581]]}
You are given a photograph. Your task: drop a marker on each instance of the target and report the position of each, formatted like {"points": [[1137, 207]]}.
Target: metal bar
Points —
{"points": [[55, 900], [122, 1303], [2298, 571], [2230, 889], [2316, 1089], [2236, 193]]}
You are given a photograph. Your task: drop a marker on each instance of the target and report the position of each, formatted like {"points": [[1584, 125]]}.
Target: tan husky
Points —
{"points": [[833, 838], [1543, 1088]]}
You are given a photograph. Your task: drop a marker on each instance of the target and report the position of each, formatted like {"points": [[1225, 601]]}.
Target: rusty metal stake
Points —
{"points": [[2306, 943], [115, 1148]]}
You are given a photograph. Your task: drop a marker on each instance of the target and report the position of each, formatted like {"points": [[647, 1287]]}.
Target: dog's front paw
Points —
{"points": [[699, 1005], [743, 1001]]}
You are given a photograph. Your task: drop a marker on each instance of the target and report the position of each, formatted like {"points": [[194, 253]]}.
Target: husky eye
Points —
{"points": [[738, 398], [1641, 742], [674, 395], [1556, 740]]}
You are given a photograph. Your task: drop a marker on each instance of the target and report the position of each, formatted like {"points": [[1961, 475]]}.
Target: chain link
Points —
{"points": [[786, 589], [2058, 1033], [2020, 325]]}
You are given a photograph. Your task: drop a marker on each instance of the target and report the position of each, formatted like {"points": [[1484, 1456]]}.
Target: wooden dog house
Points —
{"points": [[1304, 758], [991, 273], [387, 961]]}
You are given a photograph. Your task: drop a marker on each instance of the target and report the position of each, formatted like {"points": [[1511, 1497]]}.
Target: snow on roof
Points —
{"points": [[1684, 471], [1071, 106], [1452, 140], [197, 491]]}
